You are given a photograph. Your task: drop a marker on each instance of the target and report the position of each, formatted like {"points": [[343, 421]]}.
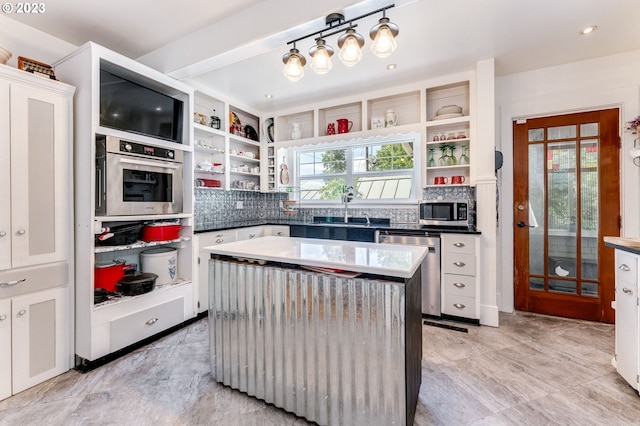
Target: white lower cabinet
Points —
{"points": [[627, 317], [206, 239], [34, 339], [460, 295]]}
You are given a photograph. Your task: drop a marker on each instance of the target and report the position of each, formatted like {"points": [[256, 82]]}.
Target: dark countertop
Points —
{"points": [[221, 226]]}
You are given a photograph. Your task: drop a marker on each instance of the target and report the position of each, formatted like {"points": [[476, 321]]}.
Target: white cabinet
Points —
{"points": [[34, 334], [206, 239], [627, 319], [35, 164], [460, 295], [36, 233], [103, 327]]}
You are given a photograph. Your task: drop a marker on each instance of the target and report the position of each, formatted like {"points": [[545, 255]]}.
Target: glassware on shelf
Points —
{"points": [[432, 161], [443, 160], [464, 157], [451, 161]]}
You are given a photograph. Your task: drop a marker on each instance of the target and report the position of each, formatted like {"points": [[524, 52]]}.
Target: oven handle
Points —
{"points": [[156, 164]]}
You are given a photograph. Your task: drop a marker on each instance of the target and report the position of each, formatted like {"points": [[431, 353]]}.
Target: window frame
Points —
{"points": [[349, 176]]}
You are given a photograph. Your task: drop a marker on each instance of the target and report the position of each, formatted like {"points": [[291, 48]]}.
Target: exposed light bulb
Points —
{"points": [[350, 48], [321, 57], [293, 65], [384, 44]]}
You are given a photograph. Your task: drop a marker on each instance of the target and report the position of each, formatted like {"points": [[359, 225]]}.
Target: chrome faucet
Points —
{"points": [[346, 198], [366, 216]]}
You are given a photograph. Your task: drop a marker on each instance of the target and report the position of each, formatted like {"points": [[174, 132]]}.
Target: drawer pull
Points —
{"points": [[22, 312], [152, 321], [220, 235], [459, 264], [21, 232], [252, 236], [219, 240], [459, 306], [459, 285], [280, 233], [3, 234], [12, 283], [624, 267], [627, 290], [458, 245], [3, 317]]}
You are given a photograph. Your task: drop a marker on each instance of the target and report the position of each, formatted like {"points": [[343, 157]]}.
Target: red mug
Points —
{"points": [[440, 180], [457, 180], [344, 125], [331, 129]]}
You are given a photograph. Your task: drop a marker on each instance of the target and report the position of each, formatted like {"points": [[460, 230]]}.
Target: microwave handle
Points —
{"points": [[162, 165]]}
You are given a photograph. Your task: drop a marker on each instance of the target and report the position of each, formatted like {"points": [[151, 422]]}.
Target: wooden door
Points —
{"points": [[566, 198]]}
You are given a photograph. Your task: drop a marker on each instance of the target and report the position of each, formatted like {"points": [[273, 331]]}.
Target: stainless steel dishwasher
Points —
{"points": [[430, 265]]}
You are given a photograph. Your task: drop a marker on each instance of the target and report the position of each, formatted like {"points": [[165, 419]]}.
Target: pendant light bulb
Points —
{"points": [[383, 36], [321, 57], [293, 65], [350, 44]]}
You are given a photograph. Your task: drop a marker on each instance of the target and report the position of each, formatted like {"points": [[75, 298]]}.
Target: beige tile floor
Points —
{"points": [[532, 370]]}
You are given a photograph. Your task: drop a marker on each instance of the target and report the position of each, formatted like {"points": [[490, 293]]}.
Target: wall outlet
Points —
{"points": [[239, 205]]}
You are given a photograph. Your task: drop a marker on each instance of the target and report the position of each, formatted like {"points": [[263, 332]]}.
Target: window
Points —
{"points": [[381, 170]]}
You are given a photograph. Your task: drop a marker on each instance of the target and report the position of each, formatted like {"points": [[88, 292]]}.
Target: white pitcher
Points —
{"points": [[390, 118], [296, 132]]}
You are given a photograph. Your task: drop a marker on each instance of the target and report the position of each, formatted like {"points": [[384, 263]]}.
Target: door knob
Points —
{"points": [[521, 224]]}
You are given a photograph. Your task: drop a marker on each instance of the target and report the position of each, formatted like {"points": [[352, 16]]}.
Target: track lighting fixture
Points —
{"points": [[350, 44]]}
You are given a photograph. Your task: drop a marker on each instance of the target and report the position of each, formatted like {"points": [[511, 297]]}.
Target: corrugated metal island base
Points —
{"points": [[332, 349]]}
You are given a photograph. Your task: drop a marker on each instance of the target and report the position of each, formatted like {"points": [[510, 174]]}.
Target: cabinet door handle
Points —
{"points": [[3, 317], [21, 232], [22, 312], [152, 321], [459, 306], [624, 267], [627, 290], [3, 234], [219, 240], [459, 264], [458, 245], [252, 236], [459, 285], [12, 283]]}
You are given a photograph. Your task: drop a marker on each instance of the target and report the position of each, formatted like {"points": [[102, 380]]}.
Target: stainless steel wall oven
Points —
{"points": [[133, 178]]}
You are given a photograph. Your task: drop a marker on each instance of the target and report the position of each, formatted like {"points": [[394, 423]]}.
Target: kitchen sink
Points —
{"points": [[353, 220]]}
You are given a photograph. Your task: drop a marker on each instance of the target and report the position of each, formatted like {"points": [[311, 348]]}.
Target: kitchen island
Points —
{"points": [[328, 330]]}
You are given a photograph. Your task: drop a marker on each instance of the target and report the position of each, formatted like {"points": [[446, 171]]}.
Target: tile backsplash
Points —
{"points": [[218, 206]]}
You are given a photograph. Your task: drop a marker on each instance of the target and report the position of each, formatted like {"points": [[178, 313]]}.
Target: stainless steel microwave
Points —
{"points": [[445, 213], [136, 179]]}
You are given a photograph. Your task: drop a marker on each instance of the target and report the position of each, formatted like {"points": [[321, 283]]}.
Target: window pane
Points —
{"points": [[396, 156], [322, 162], [536, 283], [536, 135], [321, 189], [589, 208], [536, 208], [589, 129], [561, 132], [590, 289], [561, 286], [383, 187]]}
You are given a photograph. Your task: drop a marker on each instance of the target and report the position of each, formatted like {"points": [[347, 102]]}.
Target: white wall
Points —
{"points": [[23, 40], [611, 81]]}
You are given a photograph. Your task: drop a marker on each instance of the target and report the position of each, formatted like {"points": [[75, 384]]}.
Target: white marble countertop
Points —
{"points": [[381, 259]]}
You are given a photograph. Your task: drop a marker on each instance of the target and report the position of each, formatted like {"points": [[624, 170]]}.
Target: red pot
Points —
{"points": [[108, 273], [160, 232]]}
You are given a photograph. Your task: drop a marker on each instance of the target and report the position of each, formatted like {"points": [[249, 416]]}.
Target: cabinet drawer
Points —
{"points": [[213, 238], [464, 264], [15, 282], [454, 243], [129, 329], [626, 269], [459, 285], [249, 233], [460, 306]]}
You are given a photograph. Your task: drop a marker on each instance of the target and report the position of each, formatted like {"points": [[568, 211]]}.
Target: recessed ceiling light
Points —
{"points": [[392, 66], [268, 96], [588, 30]]}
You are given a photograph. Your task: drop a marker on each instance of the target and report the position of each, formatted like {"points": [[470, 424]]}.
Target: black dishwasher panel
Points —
{"points": [[344, 233]]}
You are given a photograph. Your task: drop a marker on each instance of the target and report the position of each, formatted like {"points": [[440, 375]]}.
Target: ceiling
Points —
{"points": [[235, 48]]}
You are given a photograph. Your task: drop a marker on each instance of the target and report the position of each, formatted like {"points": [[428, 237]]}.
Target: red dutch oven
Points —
{"points": [[160, 231], [108, 273]]}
